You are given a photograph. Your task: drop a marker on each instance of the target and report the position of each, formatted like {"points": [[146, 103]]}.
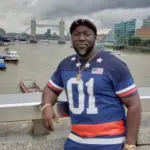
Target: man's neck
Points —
{"points": [[90, 55]]}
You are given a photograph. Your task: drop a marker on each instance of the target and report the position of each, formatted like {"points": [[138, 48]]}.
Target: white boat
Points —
{"points": [[11, 55], [99, 46], [44, 41], [24, 42], [116, 53], [113, 52]]}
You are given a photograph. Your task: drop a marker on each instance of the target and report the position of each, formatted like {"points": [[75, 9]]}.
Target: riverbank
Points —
{"points": [[131, 48]]}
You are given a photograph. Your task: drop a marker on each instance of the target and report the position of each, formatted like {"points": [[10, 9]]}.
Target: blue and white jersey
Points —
{"points": [[96, 111]]}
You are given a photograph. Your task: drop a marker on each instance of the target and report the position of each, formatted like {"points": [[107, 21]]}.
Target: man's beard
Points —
{"points": [[88, 50]]}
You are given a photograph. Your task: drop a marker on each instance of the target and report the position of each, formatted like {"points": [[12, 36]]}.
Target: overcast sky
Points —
{"points": [[15, 15]]}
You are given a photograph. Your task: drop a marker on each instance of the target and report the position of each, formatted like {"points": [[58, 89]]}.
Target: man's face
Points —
{"points": [[83, 40]]}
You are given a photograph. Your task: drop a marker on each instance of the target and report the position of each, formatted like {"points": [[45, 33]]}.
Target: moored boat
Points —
{"points": [[62, 40], [2, 64], [29, 86], [115, 53], [11, 55]]}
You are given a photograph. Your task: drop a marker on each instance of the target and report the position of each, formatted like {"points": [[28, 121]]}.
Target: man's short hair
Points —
{"points": [[84, 22]]}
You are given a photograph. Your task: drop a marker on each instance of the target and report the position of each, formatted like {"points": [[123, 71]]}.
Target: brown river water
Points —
{"points": [[38, 61]]}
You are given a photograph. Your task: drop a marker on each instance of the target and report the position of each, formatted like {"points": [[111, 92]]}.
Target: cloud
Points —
{"points": [[51, 8], [104, 13], [15, 15], [109, 17]]}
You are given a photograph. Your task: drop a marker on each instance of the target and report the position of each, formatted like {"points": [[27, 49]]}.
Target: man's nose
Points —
{"points": [[82, 37]]}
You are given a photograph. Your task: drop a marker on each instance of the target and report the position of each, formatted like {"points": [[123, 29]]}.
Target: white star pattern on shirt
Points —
{"points": [[73, 59], [87, 65], [78, 64], [99, 60]]}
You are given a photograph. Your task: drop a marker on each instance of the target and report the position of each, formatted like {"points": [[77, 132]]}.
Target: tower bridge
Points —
{"points": [[34, 25]]}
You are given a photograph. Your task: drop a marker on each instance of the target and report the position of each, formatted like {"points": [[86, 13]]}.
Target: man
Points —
{"points": [[97, 85]]}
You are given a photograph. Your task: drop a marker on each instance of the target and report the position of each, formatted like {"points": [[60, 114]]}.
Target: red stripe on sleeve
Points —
{"points": [[54, 88], [128, 92]]}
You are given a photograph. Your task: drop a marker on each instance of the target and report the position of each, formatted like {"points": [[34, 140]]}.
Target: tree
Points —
{"points": [[134, 41], [146, 43], [2, 32]]}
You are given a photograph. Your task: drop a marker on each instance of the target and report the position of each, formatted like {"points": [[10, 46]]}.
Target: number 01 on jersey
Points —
{"points": [[91, 109]]}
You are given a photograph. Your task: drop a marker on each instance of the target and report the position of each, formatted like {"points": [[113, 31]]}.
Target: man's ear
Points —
{"points": [[95, 37]]}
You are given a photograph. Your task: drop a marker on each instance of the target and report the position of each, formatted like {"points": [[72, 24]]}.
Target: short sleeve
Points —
{"points": [[55, 81], [122, 79]]}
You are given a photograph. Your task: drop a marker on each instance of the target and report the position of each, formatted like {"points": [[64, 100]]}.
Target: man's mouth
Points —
{"points": [[82, 45]]}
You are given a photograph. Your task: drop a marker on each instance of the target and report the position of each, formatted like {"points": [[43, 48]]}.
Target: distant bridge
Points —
{"points": [[47, 25], [34, 25]]}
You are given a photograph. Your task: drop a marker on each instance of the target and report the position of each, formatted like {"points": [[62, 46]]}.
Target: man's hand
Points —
{"points": [[49, 98], [129, 147], [48, 116]]}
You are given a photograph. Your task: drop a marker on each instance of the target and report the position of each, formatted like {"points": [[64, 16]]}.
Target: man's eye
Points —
{"points": [[76, 34], [87, 34]]}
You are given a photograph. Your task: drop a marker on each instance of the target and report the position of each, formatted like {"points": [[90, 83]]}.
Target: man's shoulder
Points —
{"points": [[67, 60], [111, 58], [112, 63]]}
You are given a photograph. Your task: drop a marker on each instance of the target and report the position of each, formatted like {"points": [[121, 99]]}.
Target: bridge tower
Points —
{"points": [[33, 31], [61, 27], [33, 27], [62, 39]]}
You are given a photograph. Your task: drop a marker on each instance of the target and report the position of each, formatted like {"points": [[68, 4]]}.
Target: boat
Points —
{"points": [[45, 41], [33, 41], [2, 56], [2, 64], [119, 46], [62, 40], [24, 42], [11, 55], [116, 53], [29, 86], [113, 52], [99, 46]]}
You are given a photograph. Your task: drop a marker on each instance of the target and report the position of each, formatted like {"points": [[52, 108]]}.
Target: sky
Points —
{"points": [[15, 15]]}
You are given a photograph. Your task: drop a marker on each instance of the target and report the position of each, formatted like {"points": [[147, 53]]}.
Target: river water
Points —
{"points": [[38, 61]]}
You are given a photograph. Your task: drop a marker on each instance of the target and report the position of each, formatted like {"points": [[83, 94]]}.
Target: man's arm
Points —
{"points": [[49, 98], [133, 104]]}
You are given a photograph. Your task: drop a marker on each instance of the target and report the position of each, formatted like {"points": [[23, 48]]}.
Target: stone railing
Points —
{"points": [[20, 135]]}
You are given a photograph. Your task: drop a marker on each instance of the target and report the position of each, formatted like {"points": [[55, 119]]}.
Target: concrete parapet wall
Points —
{"points": [[17, 136], [144, 133], [143, 147], [27, 142]]}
